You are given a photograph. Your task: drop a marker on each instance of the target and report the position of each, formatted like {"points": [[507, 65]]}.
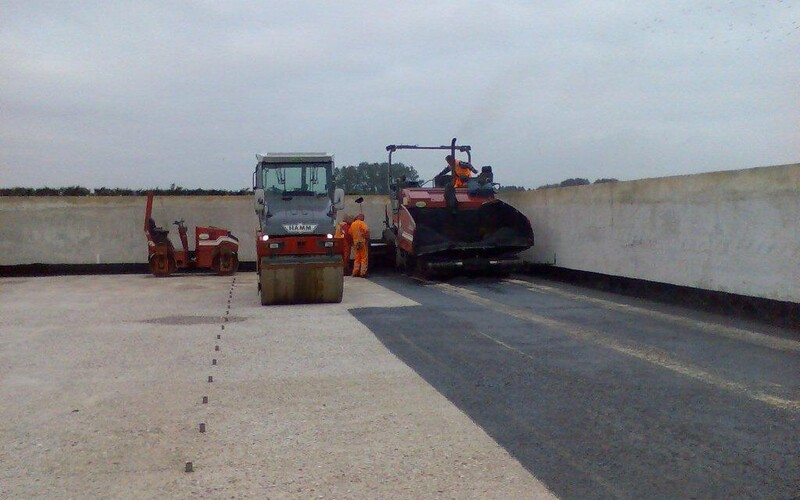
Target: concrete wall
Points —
{"points": [[101, 230], [734, 231]]}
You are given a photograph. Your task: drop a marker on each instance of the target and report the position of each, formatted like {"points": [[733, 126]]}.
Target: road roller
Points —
{"points": [[298, 259]]}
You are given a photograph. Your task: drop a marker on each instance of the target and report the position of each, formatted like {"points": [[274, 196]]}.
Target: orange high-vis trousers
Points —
{"points": [[361, 261]]}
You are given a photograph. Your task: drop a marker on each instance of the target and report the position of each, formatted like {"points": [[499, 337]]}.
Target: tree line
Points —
{"points": [[373, 178], [577, 181], [173, 190], [362, 179]]}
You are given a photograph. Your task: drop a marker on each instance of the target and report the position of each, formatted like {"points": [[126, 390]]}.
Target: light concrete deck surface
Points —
{"points": [[102, 380]]}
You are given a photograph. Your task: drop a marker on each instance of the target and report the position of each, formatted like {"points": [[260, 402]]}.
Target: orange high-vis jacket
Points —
{"points": [[460, 171], [359, 231]]}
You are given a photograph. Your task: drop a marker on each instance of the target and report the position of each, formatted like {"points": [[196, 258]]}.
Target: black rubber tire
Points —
{"points": [[230, 259], [162, 265]]}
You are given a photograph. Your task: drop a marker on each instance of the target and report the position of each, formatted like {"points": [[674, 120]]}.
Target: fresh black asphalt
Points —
{"points": [[593, 422]]}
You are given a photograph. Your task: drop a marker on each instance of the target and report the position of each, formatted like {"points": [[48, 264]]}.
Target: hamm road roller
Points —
{"points": [[298, 259], [444, 229]]}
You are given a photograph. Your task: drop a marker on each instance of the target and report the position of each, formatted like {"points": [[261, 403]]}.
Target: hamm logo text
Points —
{"points": [[300, 228]]}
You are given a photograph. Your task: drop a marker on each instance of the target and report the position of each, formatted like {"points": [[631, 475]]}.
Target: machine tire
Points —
{"points": [[399, 259], [405, 262], [226, 262], [162, 264], [421, 269]]}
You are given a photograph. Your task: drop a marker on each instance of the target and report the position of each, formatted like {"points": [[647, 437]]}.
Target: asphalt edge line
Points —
{"points": [[759, 339]]}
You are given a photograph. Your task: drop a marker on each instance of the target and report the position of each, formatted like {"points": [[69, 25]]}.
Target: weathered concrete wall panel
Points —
{"points": [[88, 230], [95, 230], [734, 231]]}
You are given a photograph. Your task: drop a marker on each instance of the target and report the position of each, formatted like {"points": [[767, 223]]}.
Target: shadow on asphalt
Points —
{"points": [[588, 422]]}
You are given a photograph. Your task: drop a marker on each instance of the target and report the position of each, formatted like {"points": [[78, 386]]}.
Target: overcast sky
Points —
{"points": [[149, 93]]}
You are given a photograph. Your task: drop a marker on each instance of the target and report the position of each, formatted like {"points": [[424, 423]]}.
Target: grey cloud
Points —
{"points": [[150, 93]]}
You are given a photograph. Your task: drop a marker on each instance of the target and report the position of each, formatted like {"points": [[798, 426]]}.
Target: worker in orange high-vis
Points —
{"points": [[461, 170], [343, 232], [360, 233]]}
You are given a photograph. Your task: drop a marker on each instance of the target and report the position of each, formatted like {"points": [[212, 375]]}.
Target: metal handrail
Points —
{"points": [[391, 148]]}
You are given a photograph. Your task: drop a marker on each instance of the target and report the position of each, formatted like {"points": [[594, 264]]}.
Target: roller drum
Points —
{"points": [[301, 279]]}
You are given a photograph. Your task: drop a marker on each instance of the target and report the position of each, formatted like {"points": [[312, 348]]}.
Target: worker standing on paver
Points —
{"points": [[462, 171], [343, 231], [360, 233]]}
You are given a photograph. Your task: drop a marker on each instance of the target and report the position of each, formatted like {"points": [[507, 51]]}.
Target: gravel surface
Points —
{"points": [[103, 380]]}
